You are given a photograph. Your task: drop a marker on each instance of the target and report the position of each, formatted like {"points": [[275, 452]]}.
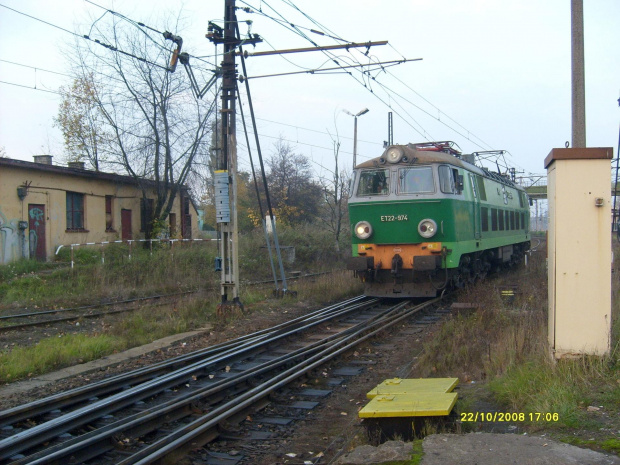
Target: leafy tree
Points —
{"points": [[82, 123], [295, 195], [158, 130]]}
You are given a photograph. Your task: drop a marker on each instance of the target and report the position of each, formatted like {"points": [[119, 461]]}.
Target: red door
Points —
{"points": [[126, 225], [36, 234]]}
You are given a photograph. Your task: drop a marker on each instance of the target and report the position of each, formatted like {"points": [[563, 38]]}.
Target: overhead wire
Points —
{"points": [[86, 37], [469, 134], [34, 67], [330, 55]]}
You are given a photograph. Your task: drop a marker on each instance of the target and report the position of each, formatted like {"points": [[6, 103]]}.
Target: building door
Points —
{"points": [[172, 219], [186, 219], [36, 234], [126, 225]]}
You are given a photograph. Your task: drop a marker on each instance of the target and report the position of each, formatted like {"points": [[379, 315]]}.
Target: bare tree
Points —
{"points": [[158, 130], [335, 195]]}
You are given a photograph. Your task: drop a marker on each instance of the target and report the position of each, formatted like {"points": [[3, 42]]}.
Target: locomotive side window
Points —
{"points": [[501, 220], [374, 182], [484, 217], [446, 181], [494, 219], [418, 180], [473, 185], [481, 189]]}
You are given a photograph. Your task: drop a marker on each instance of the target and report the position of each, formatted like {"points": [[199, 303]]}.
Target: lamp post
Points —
{"points": [[362, 112]]}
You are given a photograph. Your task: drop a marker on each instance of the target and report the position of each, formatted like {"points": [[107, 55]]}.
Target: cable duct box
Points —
{"points": [[222, 199]]}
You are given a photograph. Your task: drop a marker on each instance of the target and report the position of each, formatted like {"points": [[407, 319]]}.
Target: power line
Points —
{"points": [[389, 91], [35, 68], [333, 58], [31, 88], [86, 37]]}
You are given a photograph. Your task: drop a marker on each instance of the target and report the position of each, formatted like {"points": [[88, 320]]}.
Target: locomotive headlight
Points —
{"points": [[427, 228], [363, 230], [394, 154]]}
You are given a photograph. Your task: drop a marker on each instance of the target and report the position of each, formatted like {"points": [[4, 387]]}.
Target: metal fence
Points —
{"points": [[130, 243]]}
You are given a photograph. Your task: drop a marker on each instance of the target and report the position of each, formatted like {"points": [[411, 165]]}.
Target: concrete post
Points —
{"points": [[578, 75]]}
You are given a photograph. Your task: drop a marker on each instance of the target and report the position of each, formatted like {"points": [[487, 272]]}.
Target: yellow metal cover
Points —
{"points": [[402, 386], [420, 404]]}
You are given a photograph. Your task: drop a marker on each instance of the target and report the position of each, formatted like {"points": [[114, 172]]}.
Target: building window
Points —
{"points": [[109, 218], [146, 215], [75, 211]]}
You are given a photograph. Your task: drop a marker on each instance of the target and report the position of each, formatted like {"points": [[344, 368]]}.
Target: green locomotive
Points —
{"points": [[423, 218]]}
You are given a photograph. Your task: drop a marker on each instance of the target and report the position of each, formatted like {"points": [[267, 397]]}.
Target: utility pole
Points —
{"points": [[578, 75], [226, 172]]}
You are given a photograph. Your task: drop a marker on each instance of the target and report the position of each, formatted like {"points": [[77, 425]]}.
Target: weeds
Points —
{"points": [[505, 343], [58, 351], [109, 274]]}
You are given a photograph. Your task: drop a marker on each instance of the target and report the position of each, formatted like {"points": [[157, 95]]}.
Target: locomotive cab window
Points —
{"points": [[374, 182], [446, 180], [418, 180], [351, 184], [450, 181]]}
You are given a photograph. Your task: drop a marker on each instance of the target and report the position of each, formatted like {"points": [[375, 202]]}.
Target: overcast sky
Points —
{"points": [[495, 74]]}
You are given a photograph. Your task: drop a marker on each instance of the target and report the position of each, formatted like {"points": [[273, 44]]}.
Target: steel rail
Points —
{"points": [[92, 444], [102, 440], [83, 415], [137, 299], [4, 329], [168, 446], [116, 383], [87, 307]]}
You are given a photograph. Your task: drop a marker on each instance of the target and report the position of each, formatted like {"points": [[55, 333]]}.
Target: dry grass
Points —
{"points": [[504, 346], [145, 274]]}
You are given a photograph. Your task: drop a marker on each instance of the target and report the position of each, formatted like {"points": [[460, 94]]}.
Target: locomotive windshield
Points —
{"points": [[416, 180], [374, 182]]}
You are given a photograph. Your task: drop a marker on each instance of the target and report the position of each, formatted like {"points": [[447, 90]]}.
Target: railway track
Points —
{"points": [[159, 413], [25, 319]]}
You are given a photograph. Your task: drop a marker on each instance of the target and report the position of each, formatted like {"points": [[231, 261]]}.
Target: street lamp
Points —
{"points": [[362, 112]]}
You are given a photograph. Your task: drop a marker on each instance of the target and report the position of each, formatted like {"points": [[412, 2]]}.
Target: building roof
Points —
{"points": [[78, 172], [84, 173]]}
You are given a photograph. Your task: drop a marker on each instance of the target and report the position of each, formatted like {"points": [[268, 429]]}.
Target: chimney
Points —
{"points": [[43, 159], [77, 165]]}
